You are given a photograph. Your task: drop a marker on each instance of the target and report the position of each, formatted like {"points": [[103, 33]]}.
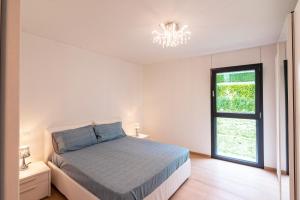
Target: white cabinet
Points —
{"points": [[35, 182]]}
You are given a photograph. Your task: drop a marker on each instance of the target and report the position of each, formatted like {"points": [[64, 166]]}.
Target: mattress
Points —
{"points": [[123, 169]]}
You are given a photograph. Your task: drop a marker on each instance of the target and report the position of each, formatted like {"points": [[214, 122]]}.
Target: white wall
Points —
{"points": [[177, 99], [282, 108], [61, 84], [177, 102], [281, 56]]}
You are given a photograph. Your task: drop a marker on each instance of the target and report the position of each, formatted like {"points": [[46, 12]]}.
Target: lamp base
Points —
{"points": [[24, 166], [136, 132]]}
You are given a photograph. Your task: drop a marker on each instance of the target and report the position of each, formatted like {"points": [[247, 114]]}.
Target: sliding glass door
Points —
{"points": [[236, 114]]}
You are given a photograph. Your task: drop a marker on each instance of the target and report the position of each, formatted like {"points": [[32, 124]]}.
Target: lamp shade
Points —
{"points": [[24, 151]]}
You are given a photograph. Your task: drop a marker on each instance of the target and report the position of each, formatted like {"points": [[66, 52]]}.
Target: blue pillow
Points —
{"points": [[106, 132], [73, 139]]}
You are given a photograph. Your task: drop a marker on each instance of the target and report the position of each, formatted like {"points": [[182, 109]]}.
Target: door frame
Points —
{"points": [[258, 115]]}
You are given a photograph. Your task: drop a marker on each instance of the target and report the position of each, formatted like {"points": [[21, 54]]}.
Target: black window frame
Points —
{"points": [[286, 88], [258, 115]]}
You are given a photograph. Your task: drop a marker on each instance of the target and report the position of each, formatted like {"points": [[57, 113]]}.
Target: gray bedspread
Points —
{"points": [[123, 169]]}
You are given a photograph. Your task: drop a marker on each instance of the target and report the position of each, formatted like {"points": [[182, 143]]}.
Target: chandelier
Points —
{"points": [[171, 35]]}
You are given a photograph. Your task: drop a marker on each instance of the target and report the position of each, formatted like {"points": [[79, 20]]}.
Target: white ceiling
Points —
{"points": [[122, 28]]}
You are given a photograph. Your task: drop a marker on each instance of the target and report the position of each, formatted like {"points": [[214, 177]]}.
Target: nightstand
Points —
{"points": [[141, 136], [35, 182]]}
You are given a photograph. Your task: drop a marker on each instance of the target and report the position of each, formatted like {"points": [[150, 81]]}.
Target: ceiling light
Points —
{"points": [[171, 35]]}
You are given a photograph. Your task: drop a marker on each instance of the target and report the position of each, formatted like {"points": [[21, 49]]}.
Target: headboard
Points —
{"points": [[48, 148]]}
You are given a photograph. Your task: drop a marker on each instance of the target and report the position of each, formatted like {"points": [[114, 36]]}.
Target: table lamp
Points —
{"points": [[137, 129], [24, 152]]}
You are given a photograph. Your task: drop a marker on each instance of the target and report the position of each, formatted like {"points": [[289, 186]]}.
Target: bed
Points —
{"points": [[126, 168]]}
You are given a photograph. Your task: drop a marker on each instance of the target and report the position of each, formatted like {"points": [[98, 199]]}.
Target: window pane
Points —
{"points": [[236, 138], [236, 92]]}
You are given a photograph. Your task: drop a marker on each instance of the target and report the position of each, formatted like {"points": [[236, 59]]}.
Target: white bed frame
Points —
{"points": [[74, 191]]}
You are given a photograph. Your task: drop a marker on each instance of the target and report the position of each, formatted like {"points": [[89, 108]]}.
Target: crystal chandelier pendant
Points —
{"points": [[171, 35]]}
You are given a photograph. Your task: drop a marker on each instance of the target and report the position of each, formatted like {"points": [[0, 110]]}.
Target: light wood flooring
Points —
{"points": [[219, 180]]}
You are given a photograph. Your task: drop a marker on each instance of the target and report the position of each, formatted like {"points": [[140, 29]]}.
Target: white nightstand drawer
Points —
{"points": [[35, 191], [33, 180]]}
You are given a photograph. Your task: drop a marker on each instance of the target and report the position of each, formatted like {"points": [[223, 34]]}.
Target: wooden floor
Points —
{"points": [[219, 180]]}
